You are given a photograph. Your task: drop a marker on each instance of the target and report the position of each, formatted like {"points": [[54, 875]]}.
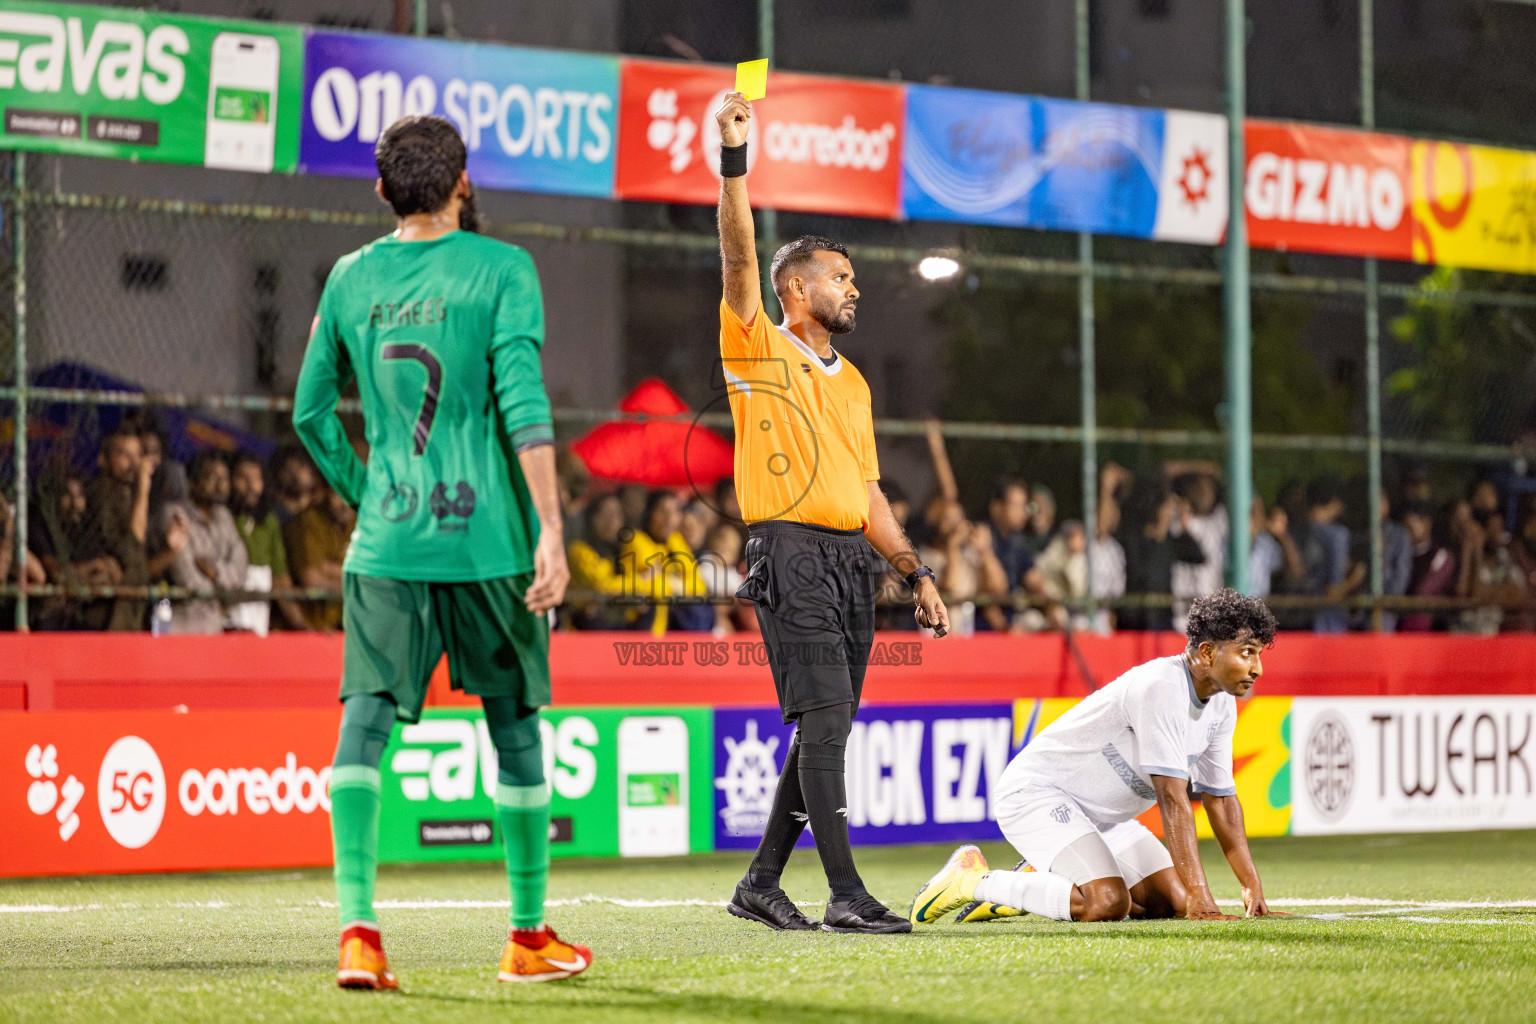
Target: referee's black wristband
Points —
{"points": [[733, 161]]}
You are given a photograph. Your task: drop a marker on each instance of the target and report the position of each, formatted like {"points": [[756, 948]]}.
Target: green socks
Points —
{"points": [[355, 837], [524, 815]]}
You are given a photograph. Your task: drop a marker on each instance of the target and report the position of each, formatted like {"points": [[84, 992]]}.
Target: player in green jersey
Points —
{"points": [[458, 545]]}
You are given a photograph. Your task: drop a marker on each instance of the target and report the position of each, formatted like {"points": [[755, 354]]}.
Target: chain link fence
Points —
{"points": [[169, 310]]}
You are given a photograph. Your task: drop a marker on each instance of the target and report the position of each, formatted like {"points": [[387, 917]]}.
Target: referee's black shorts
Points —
{"points": [[814, 590]]}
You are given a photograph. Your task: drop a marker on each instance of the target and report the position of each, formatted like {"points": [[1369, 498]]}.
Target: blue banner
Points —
{"points": [[1023, 161], [534, 120], [917, 773]]}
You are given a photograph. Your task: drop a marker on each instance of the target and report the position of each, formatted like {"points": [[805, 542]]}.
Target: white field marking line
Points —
{"points": [[1405, 906], [1382, 906]]}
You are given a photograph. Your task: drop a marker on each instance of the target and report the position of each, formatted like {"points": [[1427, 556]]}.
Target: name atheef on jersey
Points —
{"points": [[408, 313]]}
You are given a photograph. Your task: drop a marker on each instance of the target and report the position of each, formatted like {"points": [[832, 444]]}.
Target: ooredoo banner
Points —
{"points": [[1412, 764], [1327, 190], [1472, 207], [533, 120], [823, 145], [114, 792], [109, 82]]}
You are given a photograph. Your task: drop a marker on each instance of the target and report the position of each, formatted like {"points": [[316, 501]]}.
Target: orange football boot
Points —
{"points": [[362, 963], [541, 956]]}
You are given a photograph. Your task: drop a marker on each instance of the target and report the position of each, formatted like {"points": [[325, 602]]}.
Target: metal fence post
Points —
{"points": [[1239, 340], [1088, 375], [1372, 326], [768, 240], [19, 339]]}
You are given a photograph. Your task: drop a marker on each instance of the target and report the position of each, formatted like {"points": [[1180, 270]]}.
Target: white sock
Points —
{"points": [[1038, 892]]}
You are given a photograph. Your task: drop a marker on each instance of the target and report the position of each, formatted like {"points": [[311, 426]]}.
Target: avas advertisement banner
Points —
{"points": [[1024, 161], [1472, 207], [623, 782], [824, 145], [90, 792], [1412, 764], [533, 120], [112, 82], [1328, 190]]}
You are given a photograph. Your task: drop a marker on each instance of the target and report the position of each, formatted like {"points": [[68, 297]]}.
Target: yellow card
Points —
{"points": [[752, 79]]}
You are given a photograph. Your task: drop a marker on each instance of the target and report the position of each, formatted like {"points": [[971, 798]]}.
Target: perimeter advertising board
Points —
{"points": [[1412, 764], [623, 782], [823, 145], [1024, 161], [917, 773], [533, 120], [1327, 190], [1472, 207], [111, 82], [90, 792]]}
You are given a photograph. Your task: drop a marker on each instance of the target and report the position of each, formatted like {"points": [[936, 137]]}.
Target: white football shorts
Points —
{"points": [[1042, 822]]}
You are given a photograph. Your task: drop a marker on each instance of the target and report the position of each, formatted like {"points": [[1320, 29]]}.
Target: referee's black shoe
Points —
{"points": [[863, 914], [770, 907]]}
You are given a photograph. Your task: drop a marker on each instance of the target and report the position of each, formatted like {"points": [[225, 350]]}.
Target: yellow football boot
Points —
{"points": [[977, 910], [541, 956], [952, 888], [980, 910], [362, 963]]}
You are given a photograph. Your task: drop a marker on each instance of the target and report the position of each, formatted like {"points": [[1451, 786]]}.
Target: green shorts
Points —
{"points": [[397, 630]]}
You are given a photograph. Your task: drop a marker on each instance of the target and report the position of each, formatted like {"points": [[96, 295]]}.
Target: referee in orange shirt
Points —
{"points": [[807, 480]]}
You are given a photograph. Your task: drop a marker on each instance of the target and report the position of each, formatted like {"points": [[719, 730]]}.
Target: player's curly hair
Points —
{"points": [[1227, 615], [797, 254], [420, 158]]}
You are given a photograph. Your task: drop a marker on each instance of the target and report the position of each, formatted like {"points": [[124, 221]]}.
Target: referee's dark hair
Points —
{"points": [[1226, 616], [799, 253], [420, 158]]}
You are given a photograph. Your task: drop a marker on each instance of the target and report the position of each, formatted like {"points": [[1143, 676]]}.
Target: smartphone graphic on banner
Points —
{"points": [[653, 786], [242, 102]]}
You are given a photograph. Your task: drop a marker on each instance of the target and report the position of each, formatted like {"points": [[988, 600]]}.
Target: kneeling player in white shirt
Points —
{"points": [[1068, 802]]}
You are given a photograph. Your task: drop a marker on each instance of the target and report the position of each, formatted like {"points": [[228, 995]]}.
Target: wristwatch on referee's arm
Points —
{"points": [[921, 572]]}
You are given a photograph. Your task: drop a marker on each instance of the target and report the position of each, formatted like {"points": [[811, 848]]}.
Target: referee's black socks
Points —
{"points": [[823, 748], [786, 821], [822, 783]]}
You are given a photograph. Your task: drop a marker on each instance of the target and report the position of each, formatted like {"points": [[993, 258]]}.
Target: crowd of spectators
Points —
{"points": [[225, 530], [213, 529]]}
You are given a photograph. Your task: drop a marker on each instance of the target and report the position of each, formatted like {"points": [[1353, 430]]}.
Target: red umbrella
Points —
{"points": [[675, 454]]}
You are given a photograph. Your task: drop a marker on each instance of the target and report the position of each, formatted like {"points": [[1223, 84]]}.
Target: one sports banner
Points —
{"points": [[111, 82], [1412, 764], [1327, 190], [623, 782], [1024, 161], [533, 120], [822, 145], [916, 773], [90, 792], [1472, 207]]}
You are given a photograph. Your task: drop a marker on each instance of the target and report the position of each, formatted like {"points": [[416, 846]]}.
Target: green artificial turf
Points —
{"points": [[261, 947]]}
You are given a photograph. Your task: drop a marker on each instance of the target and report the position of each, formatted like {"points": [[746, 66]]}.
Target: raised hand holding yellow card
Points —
{"points": [[752, 79]]}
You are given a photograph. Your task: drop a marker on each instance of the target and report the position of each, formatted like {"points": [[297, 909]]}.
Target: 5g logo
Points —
{"points": [[130, 792]]}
